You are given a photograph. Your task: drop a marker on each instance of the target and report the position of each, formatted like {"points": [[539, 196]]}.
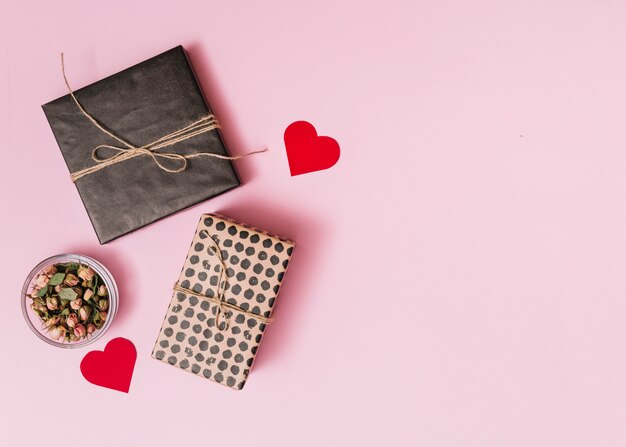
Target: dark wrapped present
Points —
{"points": [[140, 177]]}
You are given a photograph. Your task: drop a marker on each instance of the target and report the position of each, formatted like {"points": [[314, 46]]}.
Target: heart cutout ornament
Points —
{"points": [[111, 368], [308, 152]]}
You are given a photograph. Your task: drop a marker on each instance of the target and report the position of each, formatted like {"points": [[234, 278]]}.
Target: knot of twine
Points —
{"points": [[221, 315], [127, 150]]}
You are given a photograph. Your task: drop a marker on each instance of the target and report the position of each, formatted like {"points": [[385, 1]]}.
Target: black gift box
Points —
{"points": [[140, 104]]}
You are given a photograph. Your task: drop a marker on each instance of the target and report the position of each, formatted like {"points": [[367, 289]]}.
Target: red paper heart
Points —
{"points": [[111, 368], [306, 151]]}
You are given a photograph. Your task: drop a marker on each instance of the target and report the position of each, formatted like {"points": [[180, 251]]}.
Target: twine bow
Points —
{"points": [[127, 150], [219, 295]]}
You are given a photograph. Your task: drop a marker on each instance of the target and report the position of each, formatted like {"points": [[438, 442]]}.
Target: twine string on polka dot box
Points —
{"points": [[223, 300]]}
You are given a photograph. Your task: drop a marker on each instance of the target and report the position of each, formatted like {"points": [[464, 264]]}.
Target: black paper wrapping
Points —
{"points": [[140, 104]]}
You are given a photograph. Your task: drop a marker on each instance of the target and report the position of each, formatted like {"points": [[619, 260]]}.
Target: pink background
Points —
{"points": [[459, 276]]}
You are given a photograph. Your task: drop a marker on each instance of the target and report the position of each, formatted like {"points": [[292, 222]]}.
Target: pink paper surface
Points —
{"points": [[459, 278]]}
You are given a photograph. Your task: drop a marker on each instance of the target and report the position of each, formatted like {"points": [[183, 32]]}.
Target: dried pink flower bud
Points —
{"points": [[104, 304], [57, 288], [75, 304], [35, 292], [41, 281], [84, 313], [51, 322], [91, 328], [86, 273], [103, 316], [49, 271], [71, 280], [39, 305], [71, 320], [102, 290], [38, 309], [52, 303], [57, 332], [88, 294], [80, 331]]}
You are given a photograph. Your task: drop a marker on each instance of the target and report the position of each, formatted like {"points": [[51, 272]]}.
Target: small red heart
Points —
{"points": [[111, 368], [306, 151]]}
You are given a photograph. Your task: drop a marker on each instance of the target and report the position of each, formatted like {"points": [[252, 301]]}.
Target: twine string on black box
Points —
{"points": [[127, 151], [219, 295]]}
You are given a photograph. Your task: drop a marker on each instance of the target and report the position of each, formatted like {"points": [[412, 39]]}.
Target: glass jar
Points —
{"points": [[34, 321]]}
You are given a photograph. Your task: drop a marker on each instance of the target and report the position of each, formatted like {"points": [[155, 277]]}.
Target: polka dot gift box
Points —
{"points": [[223, 300]]}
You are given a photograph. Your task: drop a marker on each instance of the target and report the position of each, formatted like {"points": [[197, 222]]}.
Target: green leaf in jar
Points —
{"points": [[67, 294], [57, 279], [42, 291]]}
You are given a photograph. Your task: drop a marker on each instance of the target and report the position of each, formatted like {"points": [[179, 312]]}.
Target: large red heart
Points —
{"points": [[111, 368], [308, 152]]}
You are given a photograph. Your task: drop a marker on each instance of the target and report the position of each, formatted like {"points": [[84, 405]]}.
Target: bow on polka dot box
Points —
{"points": [[223, 300]]}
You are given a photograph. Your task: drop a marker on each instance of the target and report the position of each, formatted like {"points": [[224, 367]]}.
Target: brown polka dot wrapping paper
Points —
{"points": [[195, 336]]}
